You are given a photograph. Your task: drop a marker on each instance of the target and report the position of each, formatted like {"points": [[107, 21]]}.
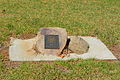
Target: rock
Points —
{"points": [[43, 45], [78, 45]]}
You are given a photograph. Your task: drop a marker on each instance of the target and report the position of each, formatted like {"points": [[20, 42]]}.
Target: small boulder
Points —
{"points": [[78, 45], [54, 45]]}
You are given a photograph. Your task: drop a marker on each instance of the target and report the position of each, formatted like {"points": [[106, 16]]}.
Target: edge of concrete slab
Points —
{"points": [[98, 50]]}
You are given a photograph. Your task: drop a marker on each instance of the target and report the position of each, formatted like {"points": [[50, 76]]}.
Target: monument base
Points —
{"points": [[20, 50]]}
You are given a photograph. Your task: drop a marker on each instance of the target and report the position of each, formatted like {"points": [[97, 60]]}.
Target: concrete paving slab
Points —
{"points": [[20, 50]]}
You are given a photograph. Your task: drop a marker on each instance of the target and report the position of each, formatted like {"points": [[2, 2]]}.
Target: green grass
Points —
{"points": [[64, 70], [79, 17]]}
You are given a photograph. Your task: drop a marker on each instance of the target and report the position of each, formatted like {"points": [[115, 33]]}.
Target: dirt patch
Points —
{"points": [[63, 68], [6, 60], [116, 50], [26, 36]]}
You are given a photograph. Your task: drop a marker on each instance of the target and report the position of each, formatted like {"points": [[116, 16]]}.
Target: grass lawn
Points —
{"points": [[100, 18], [62, 70]]}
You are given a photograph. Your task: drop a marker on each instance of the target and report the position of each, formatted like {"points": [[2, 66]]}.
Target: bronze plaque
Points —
{"points": [[51, 41]]}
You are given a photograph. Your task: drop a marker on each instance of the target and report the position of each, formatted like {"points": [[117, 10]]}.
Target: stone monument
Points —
{"points": [[54, 43], [51, 40]]}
